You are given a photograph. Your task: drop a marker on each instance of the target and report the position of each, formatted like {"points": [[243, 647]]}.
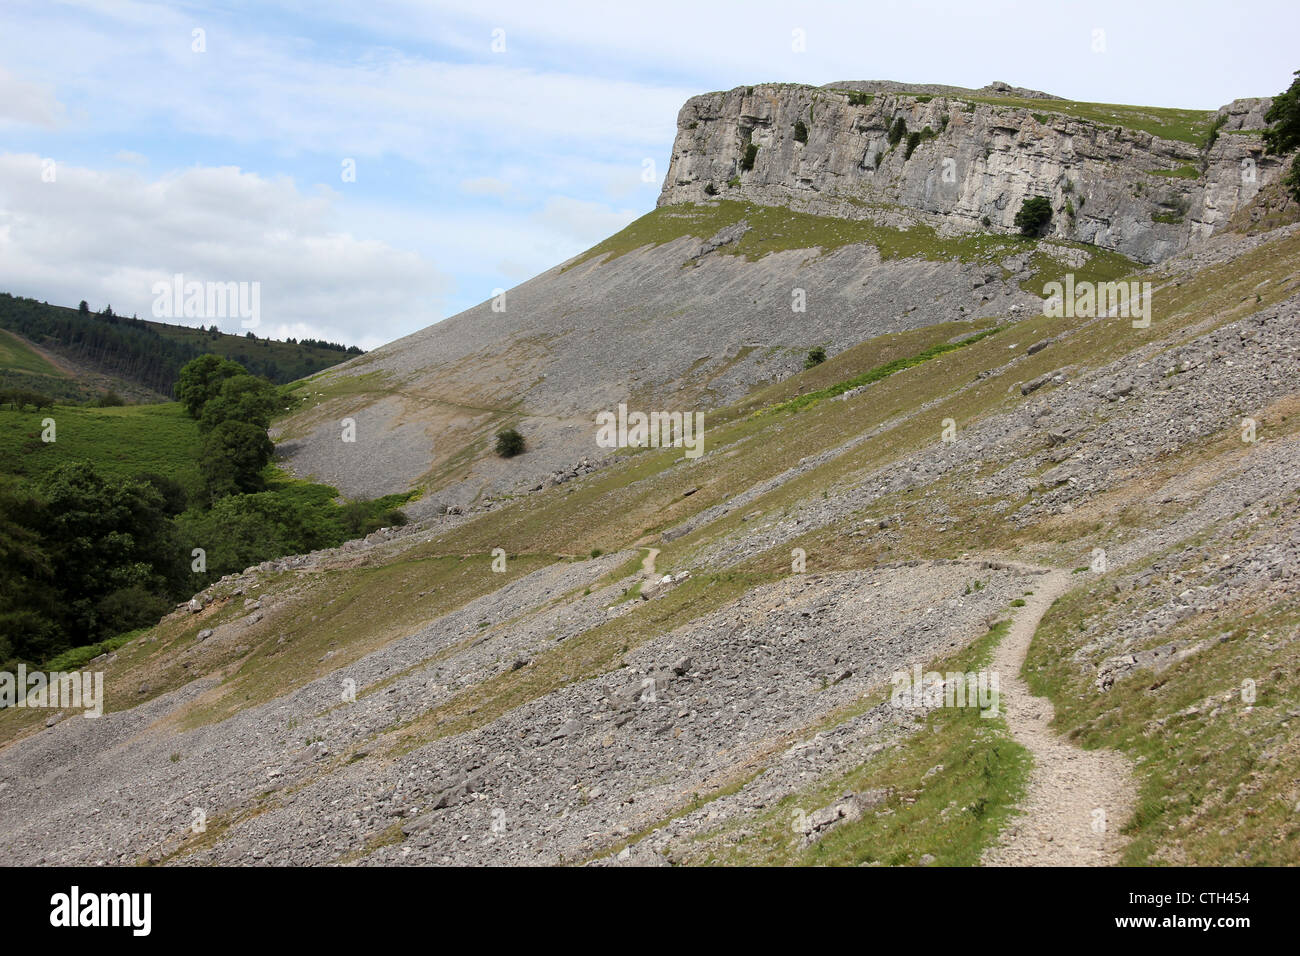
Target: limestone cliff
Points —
{"points": [[1139, 181]]}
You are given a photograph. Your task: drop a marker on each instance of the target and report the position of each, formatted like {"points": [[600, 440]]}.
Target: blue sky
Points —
{"points": [[220, 155]]}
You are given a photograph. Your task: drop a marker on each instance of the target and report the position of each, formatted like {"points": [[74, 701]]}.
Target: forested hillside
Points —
{"points": [[150, 354]]}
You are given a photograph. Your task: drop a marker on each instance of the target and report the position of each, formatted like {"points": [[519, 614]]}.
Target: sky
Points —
{"points": [[377, 165]]}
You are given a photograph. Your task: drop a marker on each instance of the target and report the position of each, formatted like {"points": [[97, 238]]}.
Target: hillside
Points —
{"points": [[818, 245], [74, 356], [653, 658]]}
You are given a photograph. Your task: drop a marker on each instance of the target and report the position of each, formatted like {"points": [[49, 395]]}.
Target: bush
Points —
{"points": [[1035, 212], [130, 608], [201, 380], [510, 443], [916, 139], [20, 398], [110, 399], [800, 132], [232, 457], [751, 153], [1283, 134], [897, 131], [240, 398], [815, 357]]}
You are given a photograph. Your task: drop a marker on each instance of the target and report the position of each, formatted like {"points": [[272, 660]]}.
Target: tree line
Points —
{"points": [[134, 349], [85, 557]]}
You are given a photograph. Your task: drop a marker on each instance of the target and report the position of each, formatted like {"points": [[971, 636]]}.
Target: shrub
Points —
{"points": [[751, 153], [201, 379], [1035, 212], [232, 457], [897, 131], [860, 99], [815, 357], [1283, 134], [509, 443], [110, 399], [985, 221], [916, 139], [800, 132]]}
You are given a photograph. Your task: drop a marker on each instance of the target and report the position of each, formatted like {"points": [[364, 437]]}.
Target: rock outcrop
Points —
{"points": [[827, 150]]}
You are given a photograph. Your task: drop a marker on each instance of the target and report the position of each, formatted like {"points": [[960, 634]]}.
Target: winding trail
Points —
{"points": [[1077, 799]]}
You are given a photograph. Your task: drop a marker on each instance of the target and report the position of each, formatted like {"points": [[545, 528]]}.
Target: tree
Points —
{"points": [[751, 153], [242, 530], [173, 495], [1035, 212], [1283, 134], [84, 308], [800, 132], [103, 537], [243, 398], [509, 443], [232, 457], [201, 378], [29, 604], [815, 357]]}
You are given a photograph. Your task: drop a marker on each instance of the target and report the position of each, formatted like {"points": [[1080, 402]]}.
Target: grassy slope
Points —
{"points": [[953, 785], [1188, 126], [619, 506], [121, 442], [293, 361], [17, 355], [777, 229]]}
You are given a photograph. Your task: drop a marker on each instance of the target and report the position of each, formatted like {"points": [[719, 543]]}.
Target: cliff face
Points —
{"points": [[1116, 186]]}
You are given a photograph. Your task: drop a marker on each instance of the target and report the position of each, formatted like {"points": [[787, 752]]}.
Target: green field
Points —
{"points": [[17, 355], [121, 442]]}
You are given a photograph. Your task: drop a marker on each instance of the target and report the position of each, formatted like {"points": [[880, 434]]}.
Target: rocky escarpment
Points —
{"points": [[973, 159]]}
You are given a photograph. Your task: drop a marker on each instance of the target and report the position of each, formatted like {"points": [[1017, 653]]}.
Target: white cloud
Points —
{"points": [[30, 103], [581, 220], [109, 236], [485, 186]]}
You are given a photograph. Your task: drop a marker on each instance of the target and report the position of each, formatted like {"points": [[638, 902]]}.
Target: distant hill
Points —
{"points": [[73, 355]]}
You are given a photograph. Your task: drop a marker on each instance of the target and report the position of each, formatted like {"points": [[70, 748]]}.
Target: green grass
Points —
{"points": [[1187, 126], [1216, 781], [17, 355], [1187, 171], [121, 442], [777, 229], [954, 783], [877, 373], [77, 657]]}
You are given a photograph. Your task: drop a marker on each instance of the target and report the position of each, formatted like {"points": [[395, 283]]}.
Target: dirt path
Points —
{"points": [[1078, 799], [648, 565]]}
